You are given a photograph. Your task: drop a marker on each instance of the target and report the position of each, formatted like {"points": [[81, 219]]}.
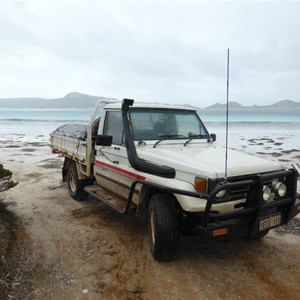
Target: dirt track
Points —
{"points": [[85, 250]]}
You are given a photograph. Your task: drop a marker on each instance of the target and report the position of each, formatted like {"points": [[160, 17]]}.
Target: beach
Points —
{"points": [[85, 250]]}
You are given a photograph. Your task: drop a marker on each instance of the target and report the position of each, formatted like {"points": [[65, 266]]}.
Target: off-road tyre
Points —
{"points": [[163, 227], [76, 186]]}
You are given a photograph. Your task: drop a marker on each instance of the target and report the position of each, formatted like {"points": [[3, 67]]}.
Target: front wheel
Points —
{"points": [[76, 186], [163, 227]]}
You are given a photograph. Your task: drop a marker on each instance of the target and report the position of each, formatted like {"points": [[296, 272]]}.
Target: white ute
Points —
{"points": [[161, 161]]}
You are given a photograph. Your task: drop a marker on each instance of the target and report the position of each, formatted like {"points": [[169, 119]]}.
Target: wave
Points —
{"points": [[43, 120], [45, 109], [253, 122], [255, 126], [216, 123]]}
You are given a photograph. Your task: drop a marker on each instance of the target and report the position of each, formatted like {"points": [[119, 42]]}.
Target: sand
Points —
{"points": [[85, 250]]}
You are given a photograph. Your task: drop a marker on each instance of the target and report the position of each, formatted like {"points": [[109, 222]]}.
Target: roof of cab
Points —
{"points": [[118, 105]]}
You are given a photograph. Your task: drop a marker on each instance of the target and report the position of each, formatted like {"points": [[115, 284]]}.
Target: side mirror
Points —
{"points": [[104, 140], [213, 137]]}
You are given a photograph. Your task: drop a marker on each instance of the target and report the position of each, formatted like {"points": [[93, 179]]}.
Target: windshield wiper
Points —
{"points": [[195, 137], [165, 137]]}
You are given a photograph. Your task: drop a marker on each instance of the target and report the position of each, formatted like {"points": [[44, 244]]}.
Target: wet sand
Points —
{"points": [[85, 250]]}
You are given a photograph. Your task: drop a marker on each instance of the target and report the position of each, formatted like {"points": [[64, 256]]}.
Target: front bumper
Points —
{"points": [[249, 220], [245, 221]]}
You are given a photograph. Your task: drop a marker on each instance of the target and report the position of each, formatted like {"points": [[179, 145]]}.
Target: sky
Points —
{"points": [[164, 51]]}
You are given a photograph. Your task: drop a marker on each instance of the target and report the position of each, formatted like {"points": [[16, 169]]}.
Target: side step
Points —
{"points": [[108, 198]]}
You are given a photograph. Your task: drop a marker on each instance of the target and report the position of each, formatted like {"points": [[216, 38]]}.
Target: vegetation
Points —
{"points": [[5, 179], [8, 225]]}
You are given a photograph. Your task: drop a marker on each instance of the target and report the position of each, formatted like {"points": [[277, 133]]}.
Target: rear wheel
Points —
{"points": [[163, 227], [76, 186]]}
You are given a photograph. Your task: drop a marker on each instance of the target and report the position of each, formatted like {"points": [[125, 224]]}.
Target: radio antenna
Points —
{"points": [[227, 97]]}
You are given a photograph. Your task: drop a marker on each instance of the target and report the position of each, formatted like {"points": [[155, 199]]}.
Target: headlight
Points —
{"points": [[221, 194], [280, 189], [267, 193]]}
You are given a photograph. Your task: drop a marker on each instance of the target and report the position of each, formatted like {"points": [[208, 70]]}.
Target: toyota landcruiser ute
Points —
{"points": [[160, 161]]}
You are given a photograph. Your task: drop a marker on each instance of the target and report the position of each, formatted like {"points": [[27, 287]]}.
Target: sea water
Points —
{"points": [[37, 124]]}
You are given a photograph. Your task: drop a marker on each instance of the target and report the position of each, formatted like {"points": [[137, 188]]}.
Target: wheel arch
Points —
{"points": [[147, 192], [67, 163]]}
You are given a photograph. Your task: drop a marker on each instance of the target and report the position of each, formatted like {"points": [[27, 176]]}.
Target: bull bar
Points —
{"points": [[254, 205]]}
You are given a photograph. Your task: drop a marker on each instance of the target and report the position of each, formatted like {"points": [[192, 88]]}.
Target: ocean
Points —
{"points": [[37, 124]]}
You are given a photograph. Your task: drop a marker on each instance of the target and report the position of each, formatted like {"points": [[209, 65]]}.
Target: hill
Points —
{"points": [[71, 100], [223, 106], [286, 104], [235, 107], [79, 100]]}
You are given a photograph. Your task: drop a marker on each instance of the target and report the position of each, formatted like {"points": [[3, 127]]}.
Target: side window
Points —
{"points": [[114, 126]]}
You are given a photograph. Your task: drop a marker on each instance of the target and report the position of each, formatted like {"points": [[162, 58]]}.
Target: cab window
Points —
{"points": [[113, 125]]}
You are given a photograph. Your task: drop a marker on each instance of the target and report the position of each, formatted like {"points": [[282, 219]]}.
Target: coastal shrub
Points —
{"points": [[5, 179], [8, 225]]}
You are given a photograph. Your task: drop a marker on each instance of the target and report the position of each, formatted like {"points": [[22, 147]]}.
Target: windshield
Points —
{"points": [[157, 124]]}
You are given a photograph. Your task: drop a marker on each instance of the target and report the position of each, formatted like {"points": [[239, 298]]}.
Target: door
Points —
{"points": [[112, 169]]}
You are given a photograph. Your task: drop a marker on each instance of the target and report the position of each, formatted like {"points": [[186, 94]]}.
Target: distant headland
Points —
{"points": [[79, 100]]}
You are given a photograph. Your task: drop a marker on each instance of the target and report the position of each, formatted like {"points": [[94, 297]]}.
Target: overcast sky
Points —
{"points": [[165, 51]]}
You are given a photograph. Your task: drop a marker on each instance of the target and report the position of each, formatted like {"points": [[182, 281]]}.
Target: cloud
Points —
{"points": [[169, 51]]}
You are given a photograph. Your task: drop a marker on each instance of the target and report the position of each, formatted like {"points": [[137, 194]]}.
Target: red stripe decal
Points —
{"points": [[119, 170]]}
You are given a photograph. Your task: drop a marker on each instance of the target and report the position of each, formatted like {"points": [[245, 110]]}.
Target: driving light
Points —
{"points": [[280, 189], [221, 194], [275, 181], [200, 185], [267, 193]]}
